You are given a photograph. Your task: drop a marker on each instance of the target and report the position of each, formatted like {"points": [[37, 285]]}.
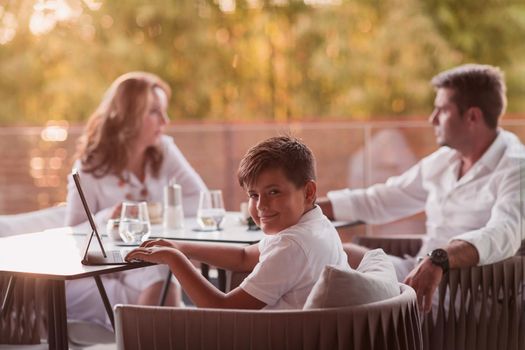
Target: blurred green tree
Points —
{"points": [[258, 59]]}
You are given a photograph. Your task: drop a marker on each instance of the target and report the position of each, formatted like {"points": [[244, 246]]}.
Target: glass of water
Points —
{"points": [[134, 226], [211, 210]]}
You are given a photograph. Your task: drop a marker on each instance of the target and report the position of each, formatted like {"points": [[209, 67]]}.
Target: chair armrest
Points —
{"points": [[394, 324], [479, 307], [398, 245]]}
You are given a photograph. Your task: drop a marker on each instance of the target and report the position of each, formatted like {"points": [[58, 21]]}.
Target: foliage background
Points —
{"points": [[267, 60]]}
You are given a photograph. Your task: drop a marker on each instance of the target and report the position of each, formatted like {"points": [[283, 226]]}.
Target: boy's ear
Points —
{"points": [[310, 190]]}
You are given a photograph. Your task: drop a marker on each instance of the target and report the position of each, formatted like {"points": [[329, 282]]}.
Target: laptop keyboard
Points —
{"points": [[119, 255]]}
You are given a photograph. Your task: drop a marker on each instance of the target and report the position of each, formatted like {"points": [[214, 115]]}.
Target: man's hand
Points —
{"points": [[425, 279]]}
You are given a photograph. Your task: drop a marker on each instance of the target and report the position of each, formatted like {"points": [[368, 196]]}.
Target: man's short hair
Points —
{"points": [[287, 153], [476, 85]]}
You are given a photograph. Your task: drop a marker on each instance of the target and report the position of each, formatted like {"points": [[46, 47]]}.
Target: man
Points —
{"points": [[469, 188]]}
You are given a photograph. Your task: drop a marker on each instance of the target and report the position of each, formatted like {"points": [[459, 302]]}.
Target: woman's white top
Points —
{"points": [[102, 194]]}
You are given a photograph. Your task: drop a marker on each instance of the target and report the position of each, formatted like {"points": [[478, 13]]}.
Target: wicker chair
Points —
{"points": [[485, 304], [23, 319], [388, 324]]}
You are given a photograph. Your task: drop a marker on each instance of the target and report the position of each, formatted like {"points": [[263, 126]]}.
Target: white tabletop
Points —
{"points": [[51, 254], [233, 230]]}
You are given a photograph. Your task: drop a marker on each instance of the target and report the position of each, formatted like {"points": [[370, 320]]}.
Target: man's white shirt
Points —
{"points": [[484, 207]]}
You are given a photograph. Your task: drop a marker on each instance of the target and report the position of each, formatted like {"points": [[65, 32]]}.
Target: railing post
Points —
{"points": [[367, 166]]}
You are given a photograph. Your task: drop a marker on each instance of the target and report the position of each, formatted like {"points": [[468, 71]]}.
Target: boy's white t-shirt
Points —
{"points": [[292, 260]]}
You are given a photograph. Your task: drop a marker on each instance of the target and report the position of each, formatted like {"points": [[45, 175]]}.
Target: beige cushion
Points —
{"points": [[374, 280]]}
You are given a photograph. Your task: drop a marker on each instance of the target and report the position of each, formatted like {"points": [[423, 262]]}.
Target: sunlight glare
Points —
{"points": [[55, 131], [255, 4], [93, 5], [227, 6], [37, 163], [8, 26], [322, 2], [66, 10], [41, 23], [47, 13]]}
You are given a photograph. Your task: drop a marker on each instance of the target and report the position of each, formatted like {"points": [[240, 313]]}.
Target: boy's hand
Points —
{"points": [[157, 255], [159, 243]]}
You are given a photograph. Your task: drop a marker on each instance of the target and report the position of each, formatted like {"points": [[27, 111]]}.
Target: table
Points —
{"points": [[53, 256], [232, 231]]}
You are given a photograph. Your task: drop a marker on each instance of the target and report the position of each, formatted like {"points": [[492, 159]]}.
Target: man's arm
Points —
{"points": [[326, 206], [500, 237], [461, 254], [400, 196], [425, 277]]}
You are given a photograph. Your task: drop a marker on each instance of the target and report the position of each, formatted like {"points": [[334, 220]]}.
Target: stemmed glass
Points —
{"points": [[134, 226], [211, 210]]}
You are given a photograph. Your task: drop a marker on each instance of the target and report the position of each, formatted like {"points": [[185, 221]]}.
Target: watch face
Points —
{"points": [[439, 256]]}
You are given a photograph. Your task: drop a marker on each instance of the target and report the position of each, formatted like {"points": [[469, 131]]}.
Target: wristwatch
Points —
{"points": [[439, 257]]}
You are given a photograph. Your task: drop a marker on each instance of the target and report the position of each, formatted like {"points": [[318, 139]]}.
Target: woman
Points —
{"points": [[124, 155]]}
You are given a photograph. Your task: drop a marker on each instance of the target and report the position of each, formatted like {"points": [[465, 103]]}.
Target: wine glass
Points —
{"points": [[134, 224], [211, 210]]}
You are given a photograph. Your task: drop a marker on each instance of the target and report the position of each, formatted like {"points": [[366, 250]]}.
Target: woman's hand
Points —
{"points": [[117, 209]]}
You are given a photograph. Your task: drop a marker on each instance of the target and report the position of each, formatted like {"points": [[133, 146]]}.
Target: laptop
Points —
{"points": [[102, 257]]}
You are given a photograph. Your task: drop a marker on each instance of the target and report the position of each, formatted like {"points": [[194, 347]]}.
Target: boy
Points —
{"points": [[279, 177]]}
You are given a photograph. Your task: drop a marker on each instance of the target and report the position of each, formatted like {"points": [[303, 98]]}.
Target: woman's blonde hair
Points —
{"points": [[116, 123]]}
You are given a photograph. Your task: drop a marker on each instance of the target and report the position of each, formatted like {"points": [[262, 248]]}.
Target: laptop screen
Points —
{"points": [[94, 231]]}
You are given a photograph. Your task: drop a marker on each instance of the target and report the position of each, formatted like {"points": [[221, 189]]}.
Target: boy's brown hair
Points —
{"points": [[287, 153]]}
